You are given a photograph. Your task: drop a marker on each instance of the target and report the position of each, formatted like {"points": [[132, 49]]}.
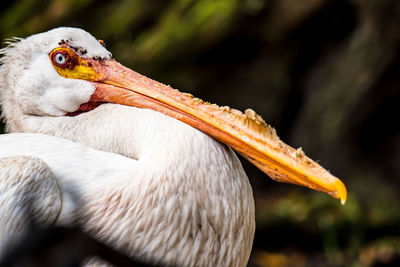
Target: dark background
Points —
{"points": [[324, 73]]}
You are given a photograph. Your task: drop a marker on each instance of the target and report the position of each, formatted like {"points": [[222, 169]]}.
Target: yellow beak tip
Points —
{"points": [[341, 191]]}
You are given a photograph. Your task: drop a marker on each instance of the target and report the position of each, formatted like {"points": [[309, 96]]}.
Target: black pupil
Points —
{"points": [[60, 58]]}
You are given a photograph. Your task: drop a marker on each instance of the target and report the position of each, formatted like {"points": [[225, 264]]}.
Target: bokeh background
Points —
{"points": [[324, 73]]}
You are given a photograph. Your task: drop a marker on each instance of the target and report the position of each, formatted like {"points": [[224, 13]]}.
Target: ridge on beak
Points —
{"points": [[247, 132]]}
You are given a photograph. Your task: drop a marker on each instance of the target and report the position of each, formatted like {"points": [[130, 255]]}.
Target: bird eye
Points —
{"points": [[63, 58], [60, 59]]}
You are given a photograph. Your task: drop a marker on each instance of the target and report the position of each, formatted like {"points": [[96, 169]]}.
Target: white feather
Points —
{"points": [[161, 189]]}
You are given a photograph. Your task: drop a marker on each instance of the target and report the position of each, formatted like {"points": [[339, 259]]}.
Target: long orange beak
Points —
{"points": [[247, 133]]}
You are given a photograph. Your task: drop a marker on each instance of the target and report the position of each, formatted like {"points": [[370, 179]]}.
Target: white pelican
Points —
{"points": [[155, 186]]}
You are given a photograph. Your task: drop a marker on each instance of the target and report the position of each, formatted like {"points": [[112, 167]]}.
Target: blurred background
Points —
{"points": [[324, 73]]}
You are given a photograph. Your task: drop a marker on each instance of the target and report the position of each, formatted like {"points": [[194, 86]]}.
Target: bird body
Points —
{"points": [[139, 165], [193, 208]]}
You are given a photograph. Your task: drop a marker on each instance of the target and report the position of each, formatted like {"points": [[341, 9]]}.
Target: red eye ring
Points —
{"points": [[63, 58]]}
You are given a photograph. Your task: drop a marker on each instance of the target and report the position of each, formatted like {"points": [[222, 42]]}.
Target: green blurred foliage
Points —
{"points": [[324, 73]]}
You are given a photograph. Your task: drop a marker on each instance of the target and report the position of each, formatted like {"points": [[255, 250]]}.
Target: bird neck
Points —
{"points": [[131, 132], [185, 190]]}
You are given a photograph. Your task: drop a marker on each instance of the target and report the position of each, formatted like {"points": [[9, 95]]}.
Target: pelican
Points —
{"points": [[143, 167]]}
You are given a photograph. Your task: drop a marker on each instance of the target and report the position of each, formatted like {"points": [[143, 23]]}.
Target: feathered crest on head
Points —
{"points": [[10, 44]]}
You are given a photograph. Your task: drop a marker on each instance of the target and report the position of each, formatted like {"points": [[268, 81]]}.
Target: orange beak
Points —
{"points": [[247, 133]]}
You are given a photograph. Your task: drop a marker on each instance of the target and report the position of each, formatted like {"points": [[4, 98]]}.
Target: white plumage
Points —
{"points": [[177, 197], [145, 183]]}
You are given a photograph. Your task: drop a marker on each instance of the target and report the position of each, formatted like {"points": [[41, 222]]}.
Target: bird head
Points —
{"points": [[30, 81], [66, 72]]}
